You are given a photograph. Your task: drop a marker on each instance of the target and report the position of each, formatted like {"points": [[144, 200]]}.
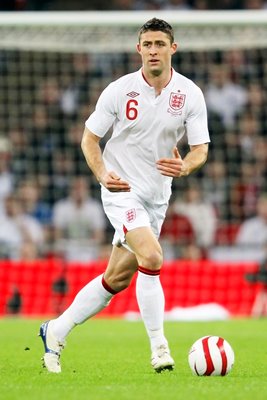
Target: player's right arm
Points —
{"points": [[93, 155]]}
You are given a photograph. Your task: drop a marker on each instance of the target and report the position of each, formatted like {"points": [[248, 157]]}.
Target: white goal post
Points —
{"points": [[109, 32]]}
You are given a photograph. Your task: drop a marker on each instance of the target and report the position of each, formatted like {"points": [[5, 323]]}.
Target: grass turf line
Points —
{"points": [[110, 360]]}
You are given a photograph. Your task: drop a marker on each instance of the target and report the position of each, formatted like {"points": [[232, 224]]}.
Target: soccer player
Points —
{"points": [[150, 111]]}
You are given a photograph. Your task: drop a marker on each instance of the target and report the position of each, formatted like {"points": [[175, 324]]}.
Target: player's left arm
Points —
{"points": [[177, 166]]}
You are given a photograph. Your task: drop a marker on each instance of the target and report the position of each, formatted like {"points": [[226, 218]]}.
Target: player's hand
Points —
{"points": [[173, 167], [114, 183]]}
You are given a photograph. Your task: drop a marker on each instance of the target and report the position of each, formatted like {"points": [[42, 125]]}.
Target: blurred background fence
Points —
{"points": [[47, 287]]}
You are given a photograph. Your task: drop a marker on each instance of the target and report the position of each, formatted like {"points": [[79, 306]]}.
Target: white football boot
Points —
{"points": [[53, 348], [161, 359]]}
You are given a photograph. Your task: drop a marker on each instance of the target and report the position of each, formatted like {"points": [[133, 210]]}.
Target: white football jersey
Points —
{"points": [[146, 127]]}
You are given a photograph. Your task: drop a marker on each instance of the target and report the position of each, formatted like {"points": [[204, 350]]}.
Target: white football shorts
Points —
{"points": [[126, 211]]}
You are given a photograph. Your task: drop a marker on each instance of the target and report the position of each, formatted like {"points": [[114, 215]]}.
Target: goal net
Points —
{"points": [[53, 66], [104, 32]]}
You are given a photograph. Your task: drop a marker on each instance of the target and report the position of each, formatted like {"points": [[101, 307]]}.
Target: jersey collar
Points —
{"points": [[146, 82]]}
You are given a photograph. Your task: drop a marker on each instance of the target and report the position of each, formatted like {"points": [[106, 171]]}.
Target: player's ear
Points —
{"points": [[174, 48], [138, 48]]}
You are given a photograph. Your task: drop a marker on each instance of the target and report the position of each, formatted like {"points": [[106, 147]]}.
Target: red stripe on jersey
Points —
{"points": [[107, 287], [125, 230], [149, 271]]}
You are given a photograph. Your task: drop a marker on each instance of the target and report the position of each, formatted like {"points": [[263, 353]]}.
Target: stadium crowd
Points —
{"points": [[50, 5]]}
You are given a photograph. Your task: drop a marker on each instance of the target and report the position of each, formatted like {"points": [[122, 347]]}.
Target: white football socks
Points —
{"points": [[151, 301], [91, 299]]}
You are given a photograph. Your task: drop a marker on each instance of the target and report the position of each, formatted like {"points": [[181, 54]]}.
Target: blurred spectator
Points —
{"points": [[14, 301], [6, 176], [46, 119], [125, 5], [253, 231], [192, 252], [48, 95], [44, 138], [62, 168], [260, 157], [200, 4], [242, 67], [73, 144], [248, 128], [216, 187], [244, 192], [39, 130], [200, 213], [181, 5], [255, 4], [21, 162], [176, 234], [256, 105], [225, 4], [137, 5], [230, 154], [80, 223], [77, 84], [67, 5], [224, 97], [31, 201], [17, 228]]}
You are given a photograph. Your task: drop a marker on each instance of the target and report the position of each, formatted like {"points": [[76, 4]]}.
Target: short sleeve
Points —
{"points": [[197, 120], [104, 115]]}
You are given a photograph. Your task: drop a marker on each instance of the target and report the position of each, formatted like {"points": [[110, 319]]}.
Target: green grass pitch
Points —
{"points": [[108, 359]]}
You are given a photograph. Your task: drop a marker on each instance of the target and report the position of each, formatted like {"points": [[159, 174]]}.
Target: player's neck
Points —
{"points": [[158, 82]]}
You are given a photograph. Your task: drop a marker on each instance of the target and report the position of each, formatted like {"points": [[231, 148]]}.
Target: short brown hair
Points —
{"points": [[156, 24]]}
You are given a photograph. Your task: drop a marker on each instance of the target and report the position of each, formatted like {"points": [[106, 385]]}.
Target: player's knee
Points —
{"points": [[153, 260], [120, 281]]}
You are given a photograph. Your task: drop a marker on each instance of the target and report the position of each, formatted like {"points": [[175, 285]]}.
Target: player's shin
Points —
{"points": [[91, 299], [151, 302]]}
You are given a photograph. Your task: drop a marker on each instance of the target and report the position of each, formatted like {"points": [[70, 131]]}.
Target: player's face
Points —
{"points": [[156, 51]]}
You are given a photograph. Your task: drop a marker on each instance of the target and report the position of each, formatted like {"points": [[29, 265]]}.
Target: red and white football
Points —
{"points": [[211, 355]]}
